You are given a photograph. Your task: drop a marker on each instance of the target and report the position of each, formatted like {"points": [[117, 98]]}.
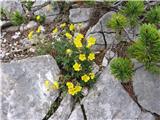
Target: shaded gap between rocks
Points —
{"points": [[73, 107], [54, 107], [84, 112], [128, 87]]}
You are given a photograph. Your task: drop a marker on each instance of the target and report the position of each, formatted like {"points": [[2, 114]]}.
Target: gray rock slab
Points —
{"points": [[51, 9], [64, 110], [110, 37], [109, 101], [77, 15], [147, 89], [77, 113], [23, 93], [103, 20], [11, 6]]}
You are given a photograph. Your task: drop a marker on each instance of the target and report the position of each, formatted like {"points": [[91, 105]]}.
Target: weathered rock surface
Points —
{"points": [[77, 113], [64, 110], [23, 94], [11, 6], [108, 100], [108, 36], [78, 15], [147, 89], [51, 9]]}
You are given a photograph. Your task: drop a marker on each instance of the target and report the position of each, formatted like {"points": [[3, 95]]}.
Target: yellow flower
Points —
{"points": [[79, 35], [30, 35], [82, 57], [91, 41], [39, 29], [78, 88], [68, 51], [55, 30], [85, 78], [68, 35], [38, 17], [91, 56], [70, 85], [92, 75], [63, 25], [56, 85], [77, 42], [77, 66], [71, 27], [71, 91]]}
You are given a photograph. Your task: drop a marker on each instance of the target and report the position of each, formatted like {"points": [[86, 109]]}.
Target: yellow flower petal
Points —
{"points": [[71, 27], [85, 78], [68, 35], [68, 51], [63, 25], [82, 57], [30, 35], [55, 30], [77, 66], [38, 17], [91, 56], [69, 85], [92, 75]]}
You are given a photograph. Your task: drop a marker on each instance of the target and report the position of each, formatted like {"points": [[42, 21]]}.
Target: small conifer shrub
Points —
{"points": [[132, 10], [153, 16], [147, 48], [117, 22], [122, 69]]}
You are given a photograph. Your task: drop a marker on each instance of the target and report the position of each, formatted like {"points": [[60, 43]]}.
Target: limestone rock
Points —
{"points": [[11, 6], [64, 110], [147, 89], [23, 93], [51, 9], [108, 100], [78, 15], [77, 113], [108, 36]]}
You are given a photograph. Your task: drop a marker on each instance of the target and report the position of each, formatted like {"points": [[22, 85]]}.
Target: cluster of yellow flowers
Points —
{"points": [[86, 77], [91, 57], [73, 89], [77, 41]]}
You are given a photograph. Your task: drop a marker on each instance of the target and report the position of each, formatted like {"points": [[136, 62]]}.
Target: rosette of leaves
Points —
{"points": [[17, 18], [153, 16], [122, 69], [147, 48], [132, 10]]}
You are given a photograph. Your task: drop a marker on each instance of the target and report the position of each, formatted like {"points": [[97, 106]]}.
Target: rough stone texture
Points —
{"points": [[30, 25], [94, 31], [51, 9], [81, 26], [80, 14], [23, 94], [146, 116], [11, 6], [77, 113], [106, 17], [64, 110], [108, 100], [147, 89]]}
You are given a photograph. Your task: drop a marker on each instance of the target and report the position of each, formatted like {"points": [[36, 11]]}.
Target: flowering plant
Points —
{"points": [[75, 58]]}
